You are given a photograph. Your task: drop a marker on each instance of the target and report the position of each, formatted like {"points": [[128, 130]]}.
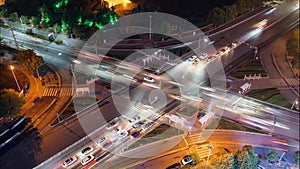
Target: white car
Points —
{"points": [[87, 159], [69, 161], [122, 134], [203, 56], [87, 150], [192, 58], [186, 160], [148, 79], [101, 140], [133, 120]]}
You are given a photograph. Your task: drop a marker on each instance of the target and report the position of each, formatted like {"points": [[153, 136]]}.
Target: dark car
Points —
{"points": [[174, 166], [135, 134]]}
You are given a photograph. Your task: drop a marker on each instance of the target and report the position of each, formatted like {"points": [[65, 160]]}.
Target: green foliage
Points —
{"points": [[272, 155], [1, 38], [297, 158], [56, 28], [30, 60], [58, 41], [34, 21], [244, 158], [14, 16], [24, 19], [217, 16], [225, 160], [4, 13], [11, 103]]}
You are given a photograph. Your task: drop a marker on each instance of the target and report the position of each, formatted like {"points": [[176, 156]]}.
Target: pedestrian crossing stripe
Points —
{"points": [[57, 91]]}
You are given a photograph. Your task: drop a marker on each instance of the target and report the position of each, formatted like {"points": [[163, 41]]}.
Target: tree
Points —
{"points": [[24, 19], [272, 155], [246, 157], [11, 102], [241, 5], [56, 28], [4, 13], [30, 60], [229, 13], [34, 21], [216, 16], [225, 160], [14, 16]]}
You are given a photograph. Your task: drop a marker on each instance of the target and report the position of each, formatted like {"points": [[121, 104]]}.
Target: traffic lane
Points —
{"points": [[131, 158], [265, 35], [234, 137], [163, 162]]}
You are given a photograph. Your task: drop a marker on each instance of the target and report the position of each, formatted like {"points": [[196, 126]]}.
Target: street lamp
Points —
{"points": [[210, 147], [12, 70], [150, 27]]}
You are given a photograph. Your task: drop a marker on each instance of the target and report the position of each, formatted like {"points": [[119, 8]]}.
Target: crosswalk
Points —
{"points": [[58, 92]]}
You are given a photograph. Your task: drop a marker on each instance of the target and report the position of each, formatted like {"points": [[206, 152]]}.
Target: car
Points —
{"points": [[186, 160], [148, 79], [192, 58], [218, 54], [107, 145], [138, 124], [209, 58], [87, 150], [203, 56], [113, 123], [222, 51], [135, 134], [133, 120], [174, 166], [115, 131], [122, 134], [101, 140], [147, 126], [87, 159], [69, 161], [196, 61]]}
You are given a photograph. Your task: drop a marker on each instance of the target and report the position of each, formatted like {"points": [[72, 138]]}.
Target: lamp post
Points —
{"points": [[12, 70], [210, 147], [150, 26]]}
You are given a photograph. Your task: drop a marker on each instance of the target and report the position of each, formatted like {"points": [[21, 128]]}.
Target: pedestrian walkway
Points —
{"points": [[57, 91]]}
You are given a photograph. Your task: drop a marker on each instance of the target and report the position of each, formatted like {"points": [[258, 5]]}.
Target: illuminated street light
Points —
{"points": [[12, 70], [210, 147]]}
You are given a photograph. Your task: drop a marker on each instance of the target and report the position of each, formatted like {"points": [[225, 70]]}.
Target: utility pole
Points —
{"points": [[12, 32]]}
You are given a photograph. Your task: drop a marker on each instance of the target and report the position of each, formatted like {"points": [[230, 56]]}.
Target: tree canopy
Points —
{"points": [[11, 102], [244, 158], [30, 60]]}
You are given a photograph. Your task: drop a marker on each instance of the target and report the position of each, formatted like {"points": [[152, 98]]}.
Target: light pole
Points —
{"points": [[210, 147], [12, 70], [150, 26]]}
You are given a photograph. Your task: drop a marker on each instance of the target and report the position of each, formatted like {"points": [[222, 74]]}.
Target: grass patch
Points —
{"points": [[254, 66], [156, 135], [230, 125], [41, 37], [4, 26], [271, 95]]}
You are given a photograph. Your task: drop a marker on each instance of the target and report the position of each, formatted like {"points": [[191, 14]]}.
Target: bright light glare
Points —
{"points": [[270, 11], [77, 61]]}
